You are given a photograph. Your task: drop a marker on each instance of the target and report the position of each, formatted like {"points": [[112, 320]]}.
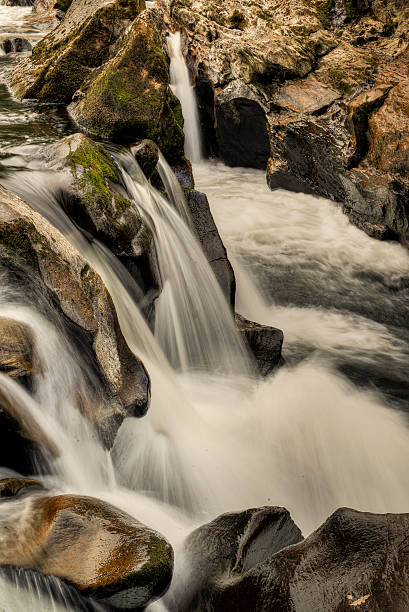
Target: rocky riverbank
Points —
{"points": [[315, 92]]}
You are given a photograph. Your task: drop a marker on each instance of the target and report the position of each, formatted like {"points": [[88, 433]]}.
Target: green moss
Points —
{"points": [[340, 80], [93, 180], [15, 237], [355, 9], [324, 13]]}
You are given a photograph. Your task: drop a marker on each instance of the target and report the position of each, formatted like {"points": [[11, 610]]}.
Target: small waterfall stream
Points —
{"points": [[216, 438]]}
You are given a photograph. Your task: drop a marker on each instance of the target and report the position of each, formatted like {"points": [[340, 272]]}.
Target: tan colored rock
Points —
{"points": [[306, 96], [101, 551], [38, 255], [16, 348]]}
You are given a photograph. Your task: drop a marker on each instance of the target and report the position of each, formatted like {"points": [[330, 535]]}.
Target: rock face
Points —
{"points": [[314, 91], [104, 553], [355, 560], [264, 342], [16, 350], [211, 242], [39, 259], [130, 99]]}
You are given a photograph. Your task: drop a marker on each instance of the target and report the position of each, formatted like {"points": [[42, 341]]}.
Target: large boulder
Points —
{"points": [[130, 98], [73, 51], [103, 552], [48, 269], [355, 560], [222, 551]]}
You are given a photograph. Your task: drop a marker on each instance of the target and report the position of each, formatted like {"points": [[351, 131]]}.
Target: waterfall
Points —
{"points": [[182, 88]]}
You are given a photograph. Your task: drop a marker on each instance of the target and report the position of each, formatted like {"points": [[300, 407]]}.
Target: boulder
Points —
{"points": [[104, 553], [42, 263], [130, 98], [355, 560], [222, 551], [264, 343], [73, 51]]}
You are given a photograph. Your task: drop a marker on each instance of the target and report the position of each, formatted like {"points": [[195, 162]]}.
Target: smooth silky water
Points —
{"points": [[216, 437]]}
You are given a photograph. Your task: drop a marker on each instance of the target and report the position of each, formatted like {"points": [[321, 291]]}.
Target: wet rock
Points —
{"points": [[146, 154], [11, 487], [221, 552], [211, 242], [264, 342], [73, 51], [97, 202], [130, 98], [241, 127], [39, 259], [355, 560], [131, 564], [323, 132], [16, 350], [15, 45]]}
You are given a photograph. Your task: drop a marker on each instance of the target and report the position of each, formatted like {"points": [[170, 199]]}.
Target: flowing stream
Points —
{"points": [[327, 430]]}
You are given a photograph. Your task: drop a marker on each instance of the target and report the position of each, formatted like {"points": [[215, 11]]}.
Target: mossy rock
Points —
{"points": [[83, 41], [131, 565], [130, 99]]}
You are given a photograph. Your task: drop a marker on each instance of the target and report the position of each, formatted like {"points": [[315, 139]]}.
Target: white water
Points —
{"points": [[180, 82], [305, 438]]}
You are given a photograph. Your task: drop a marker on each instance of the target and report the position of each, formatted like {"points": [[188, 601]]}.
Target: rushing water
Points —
{"points": [[216, 438]]}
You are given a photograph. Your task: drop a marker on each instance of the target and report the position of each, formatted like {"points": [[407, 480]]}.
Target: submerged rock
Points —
{"points": [[15, 44], [130, 98], [39, 259], [12, 487], [264, 342], [355, 560], [103, 552]]}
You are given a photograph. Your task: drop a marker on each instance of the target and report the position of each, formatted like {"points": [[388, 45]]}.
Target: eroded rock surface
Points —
{"points": [[355, 560], [103, 552], [316, 92], [264, 342]]}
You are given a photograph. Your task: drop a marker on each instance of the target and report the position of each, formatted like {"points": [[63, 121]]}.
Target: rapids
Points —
{"points": [[327, 430]]}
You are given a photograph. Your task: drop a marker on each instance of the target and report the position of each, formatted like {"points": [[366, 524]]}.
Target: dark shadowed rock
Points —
{"points": [[103, 552], [355, 560], [264, 342], [241, 127], [221, 551], [211, 242], [16, 44]]}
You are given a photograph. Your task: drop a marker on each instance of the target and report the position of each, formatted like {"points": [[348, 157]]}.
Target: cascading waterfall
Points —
{"points": [[180, 83], [216, 438]]}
